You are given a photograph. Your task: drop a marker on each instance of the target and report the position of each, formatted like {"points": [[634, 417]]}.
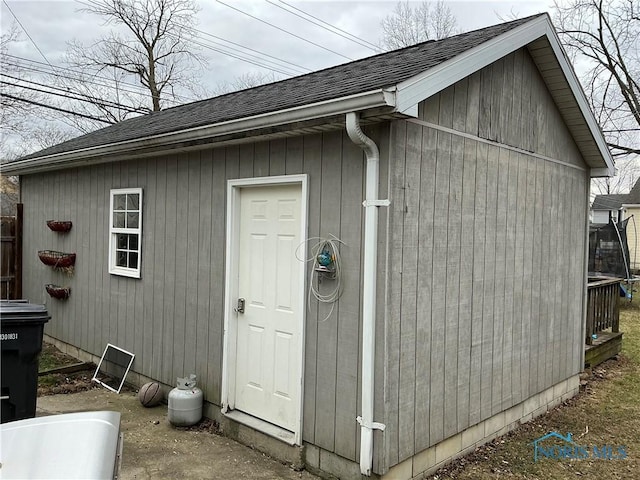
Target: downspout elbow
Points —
{"points": [[358, 137]]}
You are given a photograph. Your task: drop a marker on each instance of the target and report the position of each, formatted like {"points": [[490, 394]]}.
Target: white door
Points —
{"points": [[268, 357]]}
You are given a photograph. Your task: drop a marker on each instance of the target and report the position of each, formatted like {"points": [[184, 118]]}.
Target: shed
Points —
{"points": [[455, 174]]}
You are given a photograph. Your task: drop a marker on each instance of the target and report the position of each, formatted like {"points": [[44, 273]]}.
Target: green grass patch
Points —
{"points": [[51, 357], [630, 325], [47, 381]]}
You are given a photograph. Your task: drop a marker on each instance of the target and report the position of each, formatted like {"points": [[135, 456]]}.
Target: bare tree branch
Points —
{"points": [[624, 150], [408, 25], [25, 109], [244, 81], [607, 34], [13, 113], [157, 52]]}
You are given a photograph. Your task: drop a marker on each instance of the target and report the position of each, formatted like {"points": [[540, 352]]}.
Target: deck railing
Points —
{"points": [[603, 306]]}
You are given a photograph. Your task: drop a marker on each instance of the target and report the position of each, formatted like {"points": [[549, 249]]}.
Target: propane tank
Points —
{"points": [[185, 402]]}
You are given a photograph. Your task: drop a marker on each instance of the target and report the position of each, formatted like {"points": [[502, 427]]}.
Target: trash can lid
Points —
{"points": [[20, 311]]}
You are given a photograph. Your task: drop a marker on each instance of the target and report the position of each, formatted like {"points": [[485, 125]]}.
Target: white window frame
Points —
{"points": [[114, 231]]}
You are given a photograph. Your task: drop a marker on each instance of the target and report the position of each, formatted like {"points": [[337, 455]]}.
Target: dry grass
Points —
{"points": [[54, 383], [51, 357], [606, 412]]}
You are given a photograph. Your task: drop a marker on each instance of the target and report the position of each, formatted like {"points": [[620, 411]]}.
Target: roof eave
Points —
{"points": [[419, 88], [363, 101]]}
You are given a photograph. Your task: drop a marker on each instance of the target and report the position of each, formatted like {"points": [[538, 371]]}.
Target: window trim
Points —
{"points": [[113, 231]]}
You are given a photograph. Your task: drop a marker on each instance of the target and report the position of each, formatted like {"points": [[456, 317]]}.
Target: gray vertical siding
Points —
{"points": [[327, 331], [172, 318], [348, 331], [486, 256]]}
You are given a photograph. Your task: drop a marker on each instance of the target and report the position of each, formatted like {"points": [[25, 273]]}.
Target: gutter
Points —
{"points": [[369, 273], [362, 101]]}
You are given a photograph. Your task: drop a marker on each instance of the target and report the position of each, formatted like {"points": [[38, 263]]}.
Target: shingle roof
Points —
{"points": [[614, 201], [634, 194], [379, 71]]}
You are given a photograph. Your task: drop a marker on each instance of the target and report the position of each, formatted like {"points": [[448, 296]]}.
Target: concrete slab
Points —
{"points": [[153, 448]]}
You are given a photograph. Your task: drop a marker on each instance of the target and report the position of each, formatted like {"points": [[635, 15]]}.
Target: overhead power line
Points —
{"points": [[289, 64], [256, 57], [297, 69], [247, 55], [274, 68], [57, 109], [202, 32], [285, 31], [93, 100], [375, 47], [60, 72], [282, 66], [68, 91], [325, 25], [71, 96], [26, 33]]}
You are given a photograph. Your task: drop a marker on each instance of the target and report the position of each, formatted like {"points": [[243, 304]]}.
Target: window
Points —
{"points": [[125, 232]]}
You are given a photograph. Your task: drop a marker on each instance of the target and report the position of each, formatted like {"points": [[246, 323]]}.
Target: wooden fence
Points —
{"points": [[603, 306], [11, 256]]}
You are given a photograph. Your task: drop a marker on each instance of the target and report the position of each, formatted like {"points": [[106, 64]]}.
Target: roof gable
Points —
{"points": [[634, 194], [394, 81]]}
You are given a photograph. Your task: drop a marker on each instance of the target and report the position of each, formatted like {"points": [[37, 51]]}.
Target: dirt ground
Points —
{"points": [[154, 449]]}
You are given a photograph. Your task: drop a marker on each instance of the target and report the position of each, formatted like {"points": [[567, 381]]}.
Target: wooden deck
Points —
{"points": [[603, 338], [607, 345]]}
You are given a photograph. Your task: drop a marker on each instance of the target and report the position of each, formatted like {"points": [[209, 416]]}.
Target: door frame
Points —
{"points": [[230, 334]]}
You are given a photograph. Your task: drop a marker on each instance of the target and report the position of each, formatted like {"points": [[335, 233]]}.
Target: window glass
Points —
{"points": [[121, 258], [133, 260], [118, 220], [122, 241], [119, 202], [132, 202], [132, 220]]}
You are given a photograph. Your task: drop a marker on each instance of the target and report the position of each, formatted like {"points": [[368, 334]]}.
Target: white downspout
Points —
{"points": [[371, 205]]}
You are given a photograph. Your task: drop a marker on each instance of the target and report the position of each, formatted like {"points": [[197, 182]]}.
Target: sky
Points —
{"points": [[46, 27]]}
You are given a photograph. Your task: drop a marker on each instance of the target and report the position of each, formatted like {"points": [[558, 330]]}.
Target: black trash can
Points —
{"points": [[22, 327]]}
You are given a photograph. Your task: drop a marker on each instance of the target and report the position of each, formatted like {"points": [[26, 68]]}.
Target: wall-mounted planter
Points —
{"points": [[55, 291], [55, 259], [61, 226]]}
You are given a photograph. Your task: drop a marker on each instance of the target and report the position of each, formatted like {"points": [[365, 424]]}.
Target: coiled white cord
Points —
{"points": [[331, 246]]}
